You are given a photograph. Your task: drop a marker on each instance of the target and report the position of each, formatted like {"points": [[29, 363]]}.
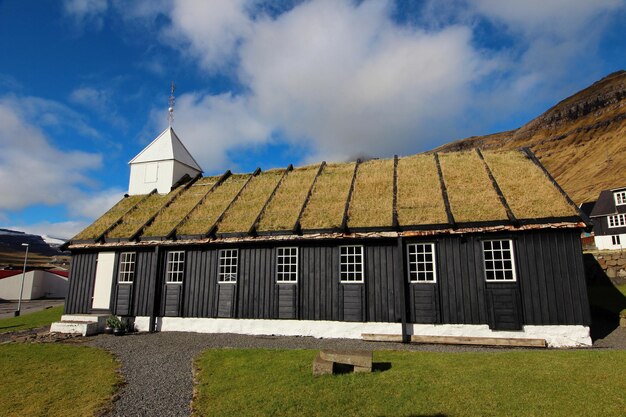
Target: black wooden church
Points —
{"points": [[453, 244]]}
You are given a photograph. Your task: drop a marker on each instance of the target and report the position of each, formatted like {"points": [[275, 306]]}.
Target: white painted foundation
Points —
{"points": [[555, 336]]}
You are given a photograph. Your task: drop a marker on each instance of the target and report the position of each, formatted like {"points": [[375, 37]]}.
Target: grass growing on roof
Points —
{"points": [[31, 320], [108, 218], [550, 383], [138, 216], [419, 192], [470, 191], [204, 216], [55, 379], [168, 218], [328, 199], [516, 175], [372, 198], [282, 212], [246, 208]]}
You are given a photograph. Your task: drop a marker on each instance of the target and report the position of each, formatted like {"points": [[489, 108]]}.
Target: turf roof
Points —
{"points": [[316, 198]]}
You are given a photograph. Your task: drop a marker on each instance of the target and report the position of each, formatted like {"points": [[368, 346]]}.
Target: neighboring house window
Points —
{"points": [[499, 263], [421, 258], [615, 240], [175, 267], [228, 265], [351, 263], [286, 265], [618, 220], [127, 267], [620, 198]]}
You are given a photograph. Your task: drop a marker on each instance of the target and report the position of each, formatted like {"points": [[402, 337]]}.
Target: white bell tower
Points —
{"points": [[162, 163]]}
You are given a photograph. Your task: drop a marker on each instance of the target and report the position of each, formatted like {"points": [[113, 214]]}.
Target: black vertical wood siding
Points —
{"points": [[82, 278], [550, 286]]}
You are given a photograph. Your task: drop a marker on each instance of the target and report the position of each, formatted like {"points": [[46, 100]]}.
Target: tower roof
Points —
{"points": [[167, 146]]}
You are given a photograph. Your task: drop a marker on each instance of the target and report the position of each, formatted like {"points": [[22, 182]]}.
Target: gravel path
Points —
{"points": [[157, 367]]}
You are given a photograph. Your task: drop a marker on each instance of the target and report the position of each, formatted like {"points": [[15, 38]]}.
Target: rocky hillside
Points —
{"points": [[581, 140]]}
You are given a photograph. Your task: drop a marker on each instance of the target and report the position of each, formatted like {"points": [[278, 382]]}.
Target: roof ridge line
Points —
{"points": [[497, 189]]}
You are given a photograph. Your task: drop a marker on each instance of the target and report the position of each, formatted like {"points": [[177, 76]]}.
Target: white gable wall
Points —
{"points": [[162, 175], [605, 242]]}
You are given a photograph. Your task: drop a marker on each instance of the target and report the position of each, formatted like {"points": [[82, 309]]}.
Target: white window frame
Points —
{"points": [[126, 268], [227, 272], [495, 268], [618, 220], [417, 267], [344, 260], [284, 258], [177, 274], [615, 240], [620, 198]]}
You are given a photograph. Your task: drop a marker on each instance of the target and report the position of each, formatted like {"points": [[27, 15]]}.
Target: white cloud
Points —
{"points": [[62, 230], [91, 205], [87, 12], [99, 101], [32, 169]]}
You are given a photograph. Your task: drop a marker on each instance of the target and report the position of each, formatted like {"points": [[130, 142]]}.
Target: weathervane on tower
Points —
{"points": [[170, 116]]}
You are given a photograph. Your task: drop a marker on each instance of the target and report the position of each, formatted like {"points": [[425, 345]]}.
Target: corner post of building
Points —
{"points": [[406, 338], [154, 293]]}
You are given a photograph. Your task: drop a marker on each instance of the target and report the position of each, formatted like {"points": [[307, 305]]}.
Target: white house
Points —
{"points": [[161, 164], [609, 219], [37, 284]]}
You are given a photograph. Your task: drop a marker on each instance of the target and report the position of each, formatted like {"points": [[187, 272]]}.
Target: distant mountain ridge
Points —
{"points": [[581, 140], [42, 251]]}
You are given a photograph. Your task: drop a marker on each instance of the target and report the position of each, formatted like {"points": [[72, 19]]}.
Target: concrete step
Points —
{"points": [[75, 327], [89, 318]]}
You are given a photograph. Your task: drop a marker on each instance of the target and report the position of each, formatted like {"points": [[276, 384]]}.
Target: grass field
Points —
{"points": [[55, 380], [515, 383], [31, 320]]}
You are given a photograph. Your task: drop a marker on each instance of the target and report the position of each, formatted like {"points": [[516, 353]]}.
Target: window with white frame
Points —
{"points": [[126, 271], [228, 265], [499, 262], [615, 240], [421, 258], [620, 198], [351, 264], [286, 265], [175, 267], [618, 220]]}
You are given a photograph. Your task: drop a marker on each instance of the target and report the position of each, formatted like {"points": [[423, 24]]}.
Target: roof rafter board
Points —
{"points": [[110, 218], [255, 223], [241, 215], [419, 191], [297, 228], [472, 196], [371, 203], [203, 217], [326, 206], [516, 174], [282, 211], [172, 215], [394, 212], [135, 220], [344, 220], [496, 187]]}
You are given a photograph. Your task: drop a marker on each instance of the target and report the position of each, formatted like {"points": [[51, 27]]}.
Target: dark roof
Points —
{"points": [[419, 192], [587, 207], [605, 205]]}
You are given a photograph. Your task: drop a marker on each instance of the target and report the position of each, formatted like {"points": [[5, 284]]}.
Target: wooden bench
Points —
{"points": [[328, 361]]}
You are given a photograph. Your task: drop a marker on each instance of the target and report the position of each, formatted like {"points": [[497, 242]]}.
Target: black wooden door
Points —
{"points": [[504, 306], [424, 302], [287, 301], [124, 299], [226, 296]]}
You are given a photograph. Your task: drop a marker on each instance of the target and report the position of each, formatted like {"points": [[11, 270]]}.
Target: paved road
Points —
{"points": [[7, 309]]}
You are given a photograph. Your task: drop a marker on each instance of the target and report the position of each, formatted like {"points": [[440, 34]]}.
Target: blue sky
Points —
{"points": [[84, 84]]}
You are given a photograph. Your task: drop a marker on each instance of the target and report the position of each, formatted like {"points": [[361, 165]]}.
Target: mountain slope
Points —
{"points": [[581, 140]]}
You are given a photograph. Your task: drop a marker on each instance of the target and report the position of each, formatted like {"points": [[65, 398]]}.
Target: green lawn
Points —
{"points": [[31, 320], [55, 380], [515, 383]]}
